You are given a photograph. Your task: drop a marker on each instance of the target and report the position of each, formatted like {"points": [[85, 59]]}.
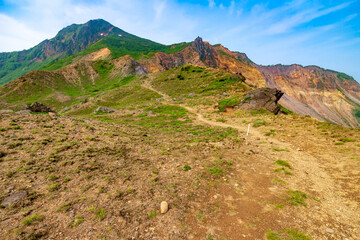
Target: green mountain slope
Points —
{"points": [[71, 41]]}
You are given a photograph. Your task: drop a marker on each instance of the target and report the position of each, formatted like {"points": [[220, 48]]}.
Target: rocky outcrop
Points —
{"points": [[104, 110], [262, 98], [38, 107], [205, 52], [162, 61], [323, 94], [13, 198]]}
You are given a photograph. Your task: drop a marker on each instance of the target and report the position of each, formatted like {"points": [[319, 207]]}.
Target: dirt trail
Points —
{"points": [[198, 115], [337, 217]]}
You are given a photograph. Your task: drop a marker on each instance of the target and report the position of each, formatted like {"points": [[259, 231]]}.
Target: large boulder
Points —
{"points": [[38, 107], [104, 110], [262, 98], [13, 198]]}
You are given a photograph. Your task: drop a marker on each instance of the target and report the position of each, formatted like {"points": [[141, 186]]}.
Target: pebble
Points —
{"points": [[52, 115], [164, 207], [329, 230]]}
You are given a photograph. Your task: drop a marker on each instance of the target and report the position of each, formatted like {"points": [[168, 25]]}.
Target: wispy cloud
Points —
{"points": [[268, 31], [159, 7], [212, 3]]}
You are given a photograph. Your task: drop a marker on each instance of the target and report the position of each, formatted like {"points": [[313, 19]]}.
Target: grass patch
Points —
{"points": [[259, 122], [187, 168], [271, 133], [100, 213], [218, 168], [286, 234], [280, 150], [284, 170], [283, 163], [34, 218], [77, 221], [152, 214], [54, 187], [277, 180], [297, 198], [344, 140], [228, 103]]}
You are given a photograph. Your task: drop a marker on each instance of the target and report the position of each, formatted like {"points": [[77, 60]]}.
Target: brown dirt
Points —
{"points": [[126, 170], [317, 171]]}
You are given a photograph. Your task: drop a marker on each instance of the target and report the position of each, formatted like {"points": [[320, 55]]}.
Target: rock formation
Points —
{"points": [[262, 98], [38, 107]]}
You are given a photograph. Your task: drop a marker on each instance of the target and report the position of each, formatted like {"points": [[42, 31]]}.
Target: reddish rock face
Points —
{"points": [[322, 94]]}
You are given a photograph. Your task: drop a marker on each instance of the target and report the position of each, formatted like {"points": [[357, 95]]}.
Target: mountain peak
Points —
{"points": [[204, 51]]}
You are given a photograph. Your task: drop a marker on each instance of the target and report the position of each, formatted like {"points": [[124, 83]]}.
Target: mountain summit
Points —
{"points": [[70, 40]]}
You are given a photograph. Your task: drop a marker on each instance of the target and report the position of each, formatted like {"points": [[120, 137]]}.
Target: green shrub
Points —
{"points": [[187, 168], [259, 122], [35, 218], [54, 187], [347, 140], [286, 234]]}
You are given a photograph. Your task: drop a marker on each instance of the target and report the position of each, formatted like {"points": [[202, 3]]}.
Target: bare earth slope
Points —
{"points": [[105, 177]]}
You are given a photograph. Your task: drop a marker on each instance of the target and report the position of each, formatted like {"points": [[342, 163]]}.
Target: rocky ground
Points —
{"points": [[105, 175]]}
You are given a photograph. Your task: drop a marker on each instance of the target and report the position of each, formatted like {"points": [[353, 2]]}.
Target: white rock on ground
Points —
{"points": [[164, 207]]}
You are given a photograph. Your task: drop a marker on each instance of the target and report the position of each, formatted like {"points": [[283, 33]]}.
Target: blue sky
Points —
{"points": [[323, 33]]}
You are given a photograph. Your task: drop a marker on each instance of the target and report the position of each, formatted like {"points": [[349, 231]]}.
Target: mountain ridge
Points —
{"points": [[311, 90]]}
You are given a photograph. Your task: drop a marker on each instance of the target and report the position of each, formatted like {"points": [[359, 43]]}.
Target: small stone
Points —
{"points": [[192, 95], [13, 198], [104, 110], [53, 115], [164, 207], [329, 230]]}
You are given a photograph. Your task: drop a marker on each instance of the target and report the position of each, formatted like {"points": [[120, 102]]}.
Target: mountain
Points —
{"points": [[323, 94], [141, 125], [90, 64], [71, 41]]}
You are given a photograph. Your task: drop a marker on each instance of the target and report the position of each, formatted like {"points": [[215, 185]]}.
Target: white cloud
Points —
{"points": [[159, 9], [212, 3], [232, 7], [15, 35]]}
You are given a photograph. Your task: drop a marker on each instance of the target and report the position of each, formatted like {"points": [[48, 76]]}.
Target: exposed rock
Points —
{"points": [[53, 115], [192, 95], [13, 198], [23, 112], [316, 92], [329, 230], [85, 100], [164, 207], [104, 109], [262, 98], [38, 107], [205, 52], [6, 111]]}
